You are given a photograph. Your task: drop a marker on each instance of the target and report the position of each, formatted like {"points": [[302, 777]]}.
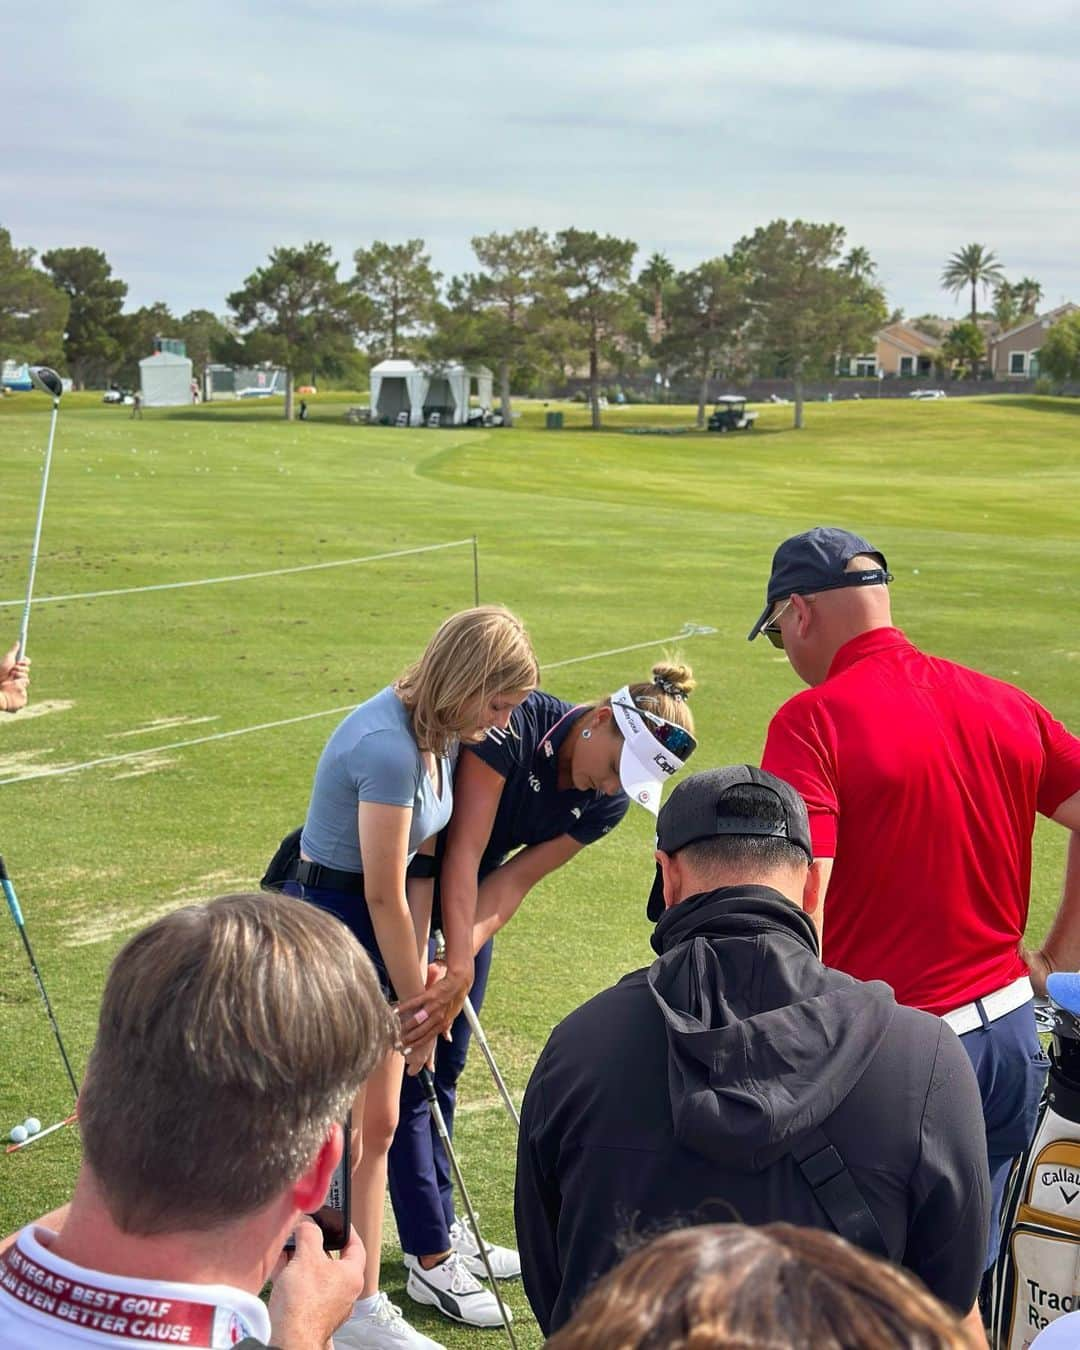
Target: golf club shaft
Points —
{"points": [[427, 1082], [16, 914], [37, 532], [485, 1050]]}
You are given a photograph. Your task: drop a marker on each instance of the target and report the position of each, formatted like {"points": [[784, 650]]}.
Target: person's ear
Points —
{"points": [[812, 893], [803, 611], [309, 1190], [671, 874], [603, 717]]}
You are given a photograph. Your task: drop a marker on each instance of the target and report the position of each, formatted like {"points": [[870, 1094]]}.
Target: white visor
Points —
{"points": [[644, 762]]}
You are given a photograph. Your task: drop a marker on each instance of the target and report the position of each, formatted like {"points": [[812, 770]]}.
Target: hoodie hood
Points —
{"points": [[764, 1041]]}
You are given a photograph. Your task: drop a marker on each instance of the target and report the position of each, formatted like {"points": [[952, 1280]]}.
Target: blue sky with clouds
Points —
{"points": [[187, 141]]}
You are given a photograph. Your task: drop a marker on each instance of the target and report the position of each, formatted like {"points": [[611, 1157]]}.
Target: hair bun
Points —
{"points": [[677, 681]]}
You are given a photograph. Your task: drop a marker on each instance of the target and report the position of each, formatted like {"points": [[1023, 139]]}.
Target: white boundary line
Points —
{"points": [[689, 630], [240, 576]]}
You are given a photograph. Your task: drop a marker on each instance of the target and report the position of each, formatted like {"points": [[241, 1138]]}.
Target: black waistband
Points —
{"points": [[352, 883], [315, 874]]}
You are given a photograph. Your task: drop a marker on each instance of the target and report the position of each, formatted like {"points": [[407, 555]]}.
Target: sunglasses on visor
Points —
{"points": [[671, 736]]}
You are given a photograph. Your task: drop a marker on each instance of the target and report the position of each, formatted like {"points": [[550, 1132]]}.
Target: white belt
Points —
{"points": [[971, 1016]]}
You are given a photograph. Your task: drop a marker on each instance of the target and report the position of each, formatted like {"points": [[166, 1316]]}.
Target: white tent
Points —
{"points": [[165, 380], [403, 386]]}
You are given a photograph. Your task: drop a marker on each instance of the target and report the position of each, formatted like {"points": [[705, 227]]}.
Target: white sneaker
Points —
{"points": [[505, 1262], [383, 1328], [454, 1292]]}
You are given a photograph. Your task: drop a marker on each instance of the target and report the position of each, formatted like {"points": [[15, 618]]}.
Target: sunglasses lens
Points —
{"points": [[676, 739], [775, 637]]}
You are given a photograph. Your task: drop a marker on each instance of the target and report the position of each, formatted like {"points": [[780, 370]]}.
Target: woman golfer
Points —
{"points": [[383, 790], [558, 778]]}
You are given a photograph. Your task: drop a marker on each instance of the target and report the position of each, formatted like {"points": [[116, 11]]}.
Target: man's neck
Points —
{"points": [[237, 1254]]}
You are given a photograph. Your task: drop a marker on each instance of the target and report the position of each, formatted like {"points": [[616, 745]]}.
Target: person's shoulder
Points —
{"points": [[606, 1011], [541, 711]]}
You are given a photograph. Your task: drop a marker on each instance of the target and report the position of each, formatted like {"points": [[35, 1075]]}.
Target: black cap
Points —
{"points": [[815, 561], [695, 810]]}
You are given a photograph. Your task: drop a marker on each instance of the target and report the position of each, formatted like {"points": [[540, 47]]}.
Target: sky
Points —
{"points": [[188, 141]]}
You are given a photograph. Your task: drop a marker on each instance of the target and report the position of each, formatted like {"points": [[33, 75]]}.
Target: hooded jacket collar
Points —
{"points": [[764, 1042]]}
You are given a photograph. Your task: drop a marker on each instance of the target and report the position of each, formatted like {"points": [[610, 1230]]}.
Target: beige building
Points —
{"points": [[1015, 354], [899, 350]]}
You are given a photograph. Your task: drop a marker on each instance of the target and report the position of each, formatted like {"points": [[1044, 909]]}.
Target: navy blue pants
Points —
{"points": [[1011, 1067], [421, 1183]]}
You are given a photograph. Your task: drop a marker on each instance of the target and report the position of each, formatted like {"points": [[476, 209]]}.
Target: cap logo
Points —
{"points": [[665, 764]]}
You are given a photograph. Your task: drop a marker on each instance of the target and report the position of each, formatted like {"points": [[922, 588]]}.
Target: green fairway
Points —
{"points": [[599, 541]]}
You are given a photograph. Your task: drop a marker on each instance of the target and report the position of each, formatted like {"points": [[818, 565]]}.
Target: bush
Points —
{"points": [[1044, 385]]}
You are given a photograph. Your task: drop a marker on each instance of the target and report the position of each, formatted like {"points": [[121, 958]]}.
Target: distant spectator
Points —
{"points": [[14, 681], [729, 1287], [136, 404], [303, 410]]}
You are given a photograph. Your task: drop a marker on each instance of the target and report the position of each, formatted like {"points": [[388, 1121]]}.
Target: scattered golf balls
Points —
{"points": [[31, 1125], [18, 1134]]}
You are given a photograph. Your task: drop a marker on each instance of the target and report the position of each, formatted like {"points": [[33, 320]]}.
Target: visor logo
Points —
{"points": [[665, 764]]}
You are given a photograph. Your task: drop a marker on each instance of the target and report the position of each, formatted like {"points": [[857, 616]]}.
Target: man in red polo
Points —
{"points": [[923, 780]]}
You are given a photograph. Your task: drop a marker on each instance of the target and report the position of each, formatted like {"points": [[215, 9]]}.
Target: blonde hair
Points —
{"points": [[666, 693], [231, 1036], [777, 1287], [473, 656]]}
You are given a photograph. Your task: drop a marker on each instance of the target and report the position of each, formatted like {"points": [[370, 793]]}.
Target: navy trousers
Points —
{"points": [[1010, 1066], [421, 1183]]}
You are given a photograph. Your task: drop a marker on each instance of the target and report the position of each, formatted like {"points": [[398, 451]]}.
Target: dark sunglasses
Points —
{"points": [[772, 628], [671, 736]]}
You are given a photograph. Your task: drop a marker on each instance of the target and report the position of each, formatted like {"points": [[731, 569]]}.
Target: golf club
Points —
{"points": [[48, 382], [427, 1082], [485, 1049], [478, 1031], [16, 914]]}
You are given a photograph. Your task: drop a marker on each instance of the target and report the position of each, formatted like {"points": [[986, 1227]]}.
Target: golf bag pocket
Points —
{"points": [[1038, 1275], [282, 866]]}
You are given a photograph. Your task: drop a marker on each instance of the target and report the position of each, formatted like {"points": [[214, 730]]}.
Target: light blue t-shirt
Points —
{"points": [[372, 757]]}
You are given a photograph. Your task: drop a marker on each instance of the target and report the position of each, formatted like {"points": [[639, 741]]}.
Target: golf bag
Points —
{"points": [[1037, 1275]]}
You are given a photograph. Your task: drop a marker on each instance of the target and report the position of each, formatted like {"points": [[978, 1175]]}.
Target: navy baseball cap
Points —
{"points": [[695, 810], [815, 561]]}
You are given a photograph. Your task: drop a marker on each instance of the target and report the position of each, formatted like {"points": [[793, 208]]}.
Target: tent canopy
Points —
{"points": [[165, 380], [420, 389]]}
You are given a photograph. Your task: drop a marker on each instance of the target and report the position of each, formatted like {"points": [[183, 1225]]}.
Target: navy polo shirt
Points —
{"points": [[532, 808]]}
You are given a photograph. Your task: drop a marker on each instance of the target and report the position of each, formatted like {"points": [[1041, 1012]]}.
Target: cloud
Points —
{"points": [[187, 147]]}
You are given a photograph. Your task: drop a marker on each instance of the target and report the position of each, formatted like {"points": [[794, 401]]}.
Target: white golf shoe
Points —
{"points": [[505, 1262], [451, 1289], [383, 1328]]}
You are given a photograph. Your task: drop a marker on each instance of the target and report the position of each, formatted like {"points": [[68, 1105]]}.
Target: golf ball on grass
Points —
{"points": [[31, 1125], [18, 1134]]}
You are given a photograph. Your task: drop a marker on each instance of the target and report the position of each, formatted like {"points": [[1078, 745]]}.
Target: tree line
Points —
{"points": [[786, 299]]}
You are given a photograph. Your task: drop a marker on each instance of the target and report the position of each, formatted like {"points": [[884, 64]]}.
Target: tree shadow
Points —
{"points": [[1059, 403]]}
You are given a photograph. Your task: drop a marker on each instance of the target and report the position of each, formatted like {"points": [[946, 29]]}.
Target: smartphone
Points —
{"points": [[335, 1215]]}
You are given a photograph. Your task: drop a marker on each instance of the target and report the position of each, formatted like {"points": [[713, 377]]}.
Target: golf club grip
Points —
{"points": [[9, 893], [428, 1085]]}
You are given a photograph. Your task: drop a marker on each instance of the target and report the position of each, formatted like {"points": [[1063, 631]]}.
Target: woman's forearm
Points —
{"points": [[458, 893], [396, 937]]}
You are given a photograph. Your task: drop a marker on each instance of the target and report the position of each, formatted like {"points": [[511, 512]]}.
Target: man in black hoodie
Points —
{"points": [[737, 1078]]}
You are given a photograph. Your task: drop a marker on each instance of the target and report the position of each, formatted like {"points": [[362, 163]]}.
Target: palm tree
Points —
{"points": [[1029, 294], [1006, 305], [654, 278], [973, 266], [859, 264]]}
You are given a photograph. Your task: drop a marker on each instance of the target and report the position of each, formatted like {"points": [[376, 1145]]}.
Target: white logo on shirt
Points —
{"points": [[534, 782], [575, 811]]}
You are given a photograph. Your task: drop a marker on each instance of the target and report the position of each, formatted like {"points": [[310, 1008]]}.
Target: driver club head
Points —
{"points": [[47, 380]]}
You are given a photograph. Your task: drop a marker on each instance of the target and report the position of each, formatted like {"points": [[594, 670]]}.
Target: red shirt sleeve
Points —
{"points": [[796, 751], [1061, 763]]}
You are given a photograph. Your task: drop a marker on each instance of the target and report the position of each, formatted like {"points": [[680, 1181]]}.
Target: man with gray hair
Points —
{"points": [[232, 1039]]}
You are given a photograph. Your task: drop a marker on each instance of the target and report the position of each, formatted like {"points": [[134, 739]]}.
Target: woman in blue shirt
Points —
{"points": [[383, 790], [528, 798]]}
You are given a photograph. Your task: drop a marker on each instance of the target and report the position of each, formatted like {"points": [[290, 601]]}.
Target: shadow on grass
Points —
{"points": [[1042, 403]]}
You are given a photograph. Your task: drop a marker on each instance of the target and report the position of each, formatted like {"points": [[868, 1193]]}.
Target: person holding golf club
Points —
{"points": [[527, 799], [14, 681], [383, 791]]}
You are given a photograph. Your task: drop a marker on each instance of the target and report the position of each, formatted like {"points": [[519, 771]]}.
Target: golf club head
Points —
{"points": [[47, 380]]}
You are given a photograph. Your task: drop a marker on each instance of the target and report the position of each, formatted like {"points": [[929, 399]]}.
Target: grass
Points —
{"points": [[600, 541]]}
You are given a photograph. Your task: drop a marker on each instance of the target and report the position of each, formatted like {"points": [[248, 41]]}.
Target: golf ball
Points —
{"points": [[18, 1134], [31, 1124]]}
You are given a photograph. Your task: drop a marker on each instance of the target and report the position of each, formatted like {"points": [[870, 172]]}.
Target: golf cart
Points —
{"points": [[730, 414]]}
